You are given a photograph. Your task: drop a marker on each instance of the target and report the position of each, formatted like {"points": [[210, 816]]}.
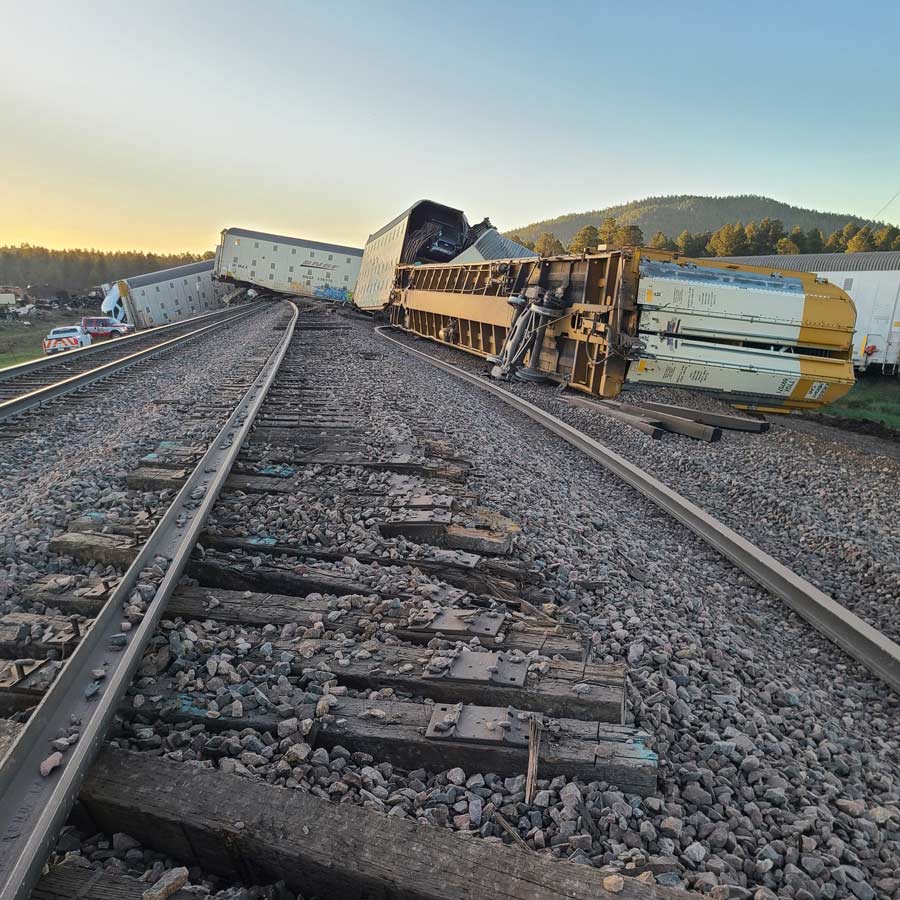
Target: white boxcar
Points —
{"points": [[288, 265], [165, 296], [873, 282], [426, 232]]}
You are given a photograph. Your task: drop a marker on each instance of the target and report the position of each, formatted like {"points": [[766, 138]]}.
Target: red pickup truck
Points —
{"points": [[101, 327]]}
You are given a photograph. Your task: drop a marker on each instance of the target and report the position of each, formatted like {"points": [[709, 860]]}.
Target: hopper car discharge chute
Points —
{"points": [[762, 338]]}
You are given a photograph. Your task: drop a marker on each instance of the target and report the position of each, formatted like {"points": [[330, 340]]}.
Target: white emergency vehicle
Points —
{"points": [[66, 337]]}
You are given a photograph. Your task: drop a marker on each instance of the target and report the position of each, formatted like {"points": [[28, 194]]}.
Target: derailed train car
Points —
{"points": [[764, 339], [158, 298], [427, 232], [287, 265]]}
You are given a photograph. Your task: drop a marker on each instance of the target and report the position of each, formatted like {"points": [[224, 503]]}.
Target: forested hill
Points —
{"points": [[672, 215]]}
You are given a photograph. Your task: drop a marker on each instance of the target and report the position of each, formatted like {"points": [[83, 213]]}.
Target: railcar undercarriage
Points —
{"points": [[763, 338]]}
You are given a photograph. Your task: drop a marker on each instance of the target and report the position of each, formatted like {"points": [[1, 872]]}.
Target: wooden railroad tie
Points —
{"points": [[242, 829], [397, 731], [92, 537], [580, 690], [656, 418], [167, 467], [513, 631], [468, 571]]}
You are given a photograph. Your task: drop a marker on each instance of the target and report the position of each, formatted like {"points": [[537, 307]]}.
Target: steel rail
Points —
{"points": [[866, 644], [18, 405], [34, 806], [60, 359]]}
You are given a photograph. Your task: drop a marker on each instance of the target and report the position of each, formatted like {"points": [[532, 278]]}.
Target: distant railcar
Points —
{"points": [[158, 298], [284, 264]]}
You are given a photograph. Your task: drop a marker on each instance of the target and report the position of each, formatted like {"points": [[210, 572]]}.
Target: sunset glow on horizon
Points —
{"points": [[154, 128]]}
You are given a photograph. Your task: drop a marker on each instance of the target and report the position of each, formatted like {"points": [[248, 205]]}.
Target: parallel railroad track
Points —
{"points": [[29, 385], [40, 804]]}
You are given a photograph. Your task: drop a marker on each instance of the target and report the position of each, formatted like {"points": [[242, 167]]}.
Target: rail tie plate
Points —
{"points": [[470, 724], [453, 622], [483, 668]]}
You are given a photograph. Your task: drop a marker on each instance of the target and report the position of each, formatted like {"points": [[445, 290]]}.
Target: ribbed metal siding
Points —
{"points": [[492, 245], [136, 281], [879, 261]]}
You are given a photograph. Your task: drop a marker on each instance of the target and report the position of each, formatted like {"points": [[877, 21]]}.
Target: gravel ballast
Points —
{"points": [[819, 500], [778, 755]]}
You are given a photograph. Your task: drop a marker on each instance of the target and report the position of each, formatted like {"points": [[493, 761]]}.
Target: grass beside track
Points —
{"points": [[874, 398], [20, 343]]}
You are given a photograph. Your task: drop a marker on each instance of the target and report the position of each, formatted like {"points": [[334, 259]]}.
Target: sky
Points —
{"points": [[154, 126]]}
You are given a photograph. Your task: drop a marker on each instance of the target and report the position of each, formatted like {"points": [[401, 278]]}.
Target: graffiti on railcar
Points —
{"points": [[327, 292]]}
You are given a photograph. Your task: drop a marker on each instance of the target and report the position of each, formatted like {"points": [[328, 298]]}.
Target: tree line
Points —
{"points": [[80, 269], [765, 238], [672, 214]]}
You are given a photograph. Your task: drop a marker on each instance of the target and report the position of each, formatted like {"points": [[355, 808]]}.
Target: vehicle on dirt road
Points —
{"points": [[102, 328], [66, 337]]}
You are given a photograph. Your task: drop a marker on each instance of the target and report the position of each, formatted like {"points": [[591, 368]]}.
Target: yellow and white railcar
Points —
{"points": [[762, 338]]}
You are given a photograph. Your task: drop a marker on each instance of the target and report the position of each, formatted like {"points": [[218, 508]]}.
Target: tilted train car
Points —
{"points": [[289, 265], [165, 296], [426, 232], [762, 338]]}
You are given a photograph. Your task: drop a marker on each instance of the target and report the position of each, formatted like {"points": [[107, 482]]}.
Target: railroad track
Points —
{"points": [[358, 624], [31, 384], [852, 634], [39, 812]]}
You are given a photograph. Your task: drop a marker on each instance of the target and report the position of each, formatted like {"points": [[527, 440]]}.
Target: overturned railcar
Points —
{"points": [[763, 338], [287, 265]]}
